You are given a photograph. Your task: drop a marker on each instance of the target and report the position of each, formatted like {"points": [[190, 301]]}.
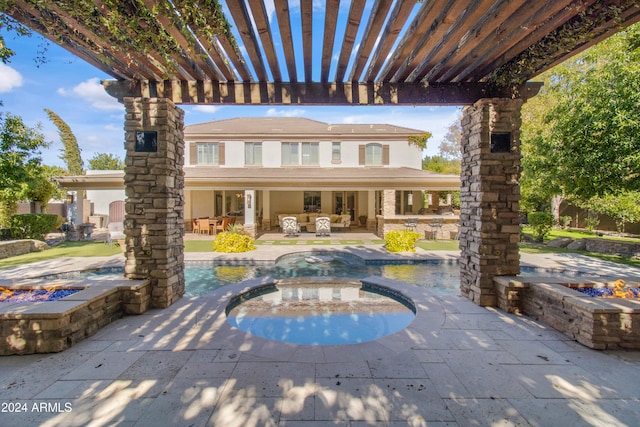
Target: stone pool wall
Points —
{"points": [[601, 324], [47, 327]]}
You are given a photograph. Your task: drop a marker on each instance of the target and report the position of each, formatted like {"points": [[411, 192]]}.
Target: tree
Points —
{"points": [[106, 161], [451, 145], [623, 208], [440, 164], [580, 137], [449, 155], [20, 163], [71, 152]]}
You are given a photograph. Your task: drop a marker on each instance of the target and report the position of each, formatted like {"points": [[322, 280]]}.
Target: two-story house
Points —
{"points": [[258, 168]]}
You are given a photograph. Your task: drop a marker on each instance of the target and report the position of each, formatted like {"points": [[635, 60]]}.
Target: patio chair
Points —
{"points": [[411, 223], [323, 226], [435, 226], [222, 225], [115, 232], [290, 226]]}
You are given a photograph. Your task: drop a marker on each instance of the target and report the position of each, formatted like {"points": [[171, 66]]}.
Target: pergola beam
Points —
{"points": [[262, 93]]}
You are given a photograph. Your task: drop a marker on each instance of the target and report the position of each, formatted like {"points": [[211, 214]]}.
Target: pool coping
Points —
{"points": [[428, 320]]}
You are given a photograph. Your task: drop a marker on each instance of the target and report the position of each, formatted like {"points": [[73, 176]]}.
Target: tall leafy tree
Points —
{"points": [[20, 163], [106, 161], [581, 136], [71, 152], [449, 152], [450, 146]]}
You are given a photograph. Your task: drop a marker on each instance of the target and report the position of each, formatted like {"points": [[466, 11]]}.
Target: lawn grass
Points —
{"points": [[438, 245], [557, 232], [198, 245], [64, 249]]}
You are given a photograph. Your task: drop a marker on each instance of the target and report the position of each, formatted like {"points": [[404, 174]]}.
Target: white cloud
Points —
{"points": [[9, 78], [296, 112], [206, 108], [92, 91]]}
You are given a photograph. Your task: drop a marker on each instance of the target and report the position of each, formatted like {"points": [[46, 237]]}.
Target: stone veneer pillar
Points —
{"points": [[154, 185], [490, 196]]}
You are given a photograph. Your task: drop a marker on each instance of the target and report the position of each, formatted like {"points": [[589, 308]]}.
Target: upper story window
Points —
{"points": [[208, 153], [253, 153], [300, 153], [373, 155], [335, 152]]}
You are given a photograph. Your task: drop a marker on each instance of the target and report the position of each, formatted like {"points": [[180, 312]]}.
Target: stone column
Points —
{"points": [[371, 210], [266, 210], [250, 212], [490, 195], [388, 210], [154, 185]]}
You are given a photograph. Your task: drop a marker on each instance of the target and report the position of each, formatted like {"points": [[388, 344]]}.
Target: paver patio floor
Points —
{"points": [[457, 365]]}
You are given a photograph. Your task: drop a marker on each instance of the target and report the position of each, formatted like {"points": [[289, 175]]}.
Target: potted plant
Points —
{"points": [[363, 220]]}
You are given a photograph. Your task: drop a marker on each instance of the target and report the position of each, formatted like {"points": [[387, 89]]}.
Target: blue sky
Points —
{"points": [[71, 88]]}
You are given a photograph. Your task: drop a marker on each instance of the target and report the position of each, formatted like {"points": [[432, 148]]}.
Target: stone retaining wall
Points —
{"points": [[617, 247], [47, 327], [11, 248], [601, 324]]}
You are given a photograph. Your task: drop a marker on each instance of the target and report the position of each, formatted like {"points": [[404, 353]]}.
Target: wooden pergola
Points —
{"points": [[435, 52], [476, 53]]}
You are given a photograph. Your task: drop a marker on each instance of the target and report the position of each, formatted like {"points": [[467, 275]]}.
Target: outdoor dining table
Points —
{"points": [[209, 224]]}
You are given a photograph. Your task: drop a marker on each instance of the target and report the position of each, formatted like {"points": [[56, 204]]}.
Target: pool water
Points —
{"points": [[319, 314], [440, 277]]}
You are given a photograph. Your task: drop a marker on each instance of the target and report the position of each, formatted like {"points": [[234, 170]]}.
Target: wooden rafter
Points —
{"points": [[330, 21], [306, 13], [376, 20], [245, 28], [353, 23], [500, 40], [442, 30], [264, 30], [397, 19], [420, 26], [262, 93], [284, 24], [487, 21]]}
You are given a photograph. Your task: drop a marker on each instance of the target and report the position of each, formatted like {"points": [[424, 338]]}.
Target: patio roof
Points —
{"points": [[430, 52], [292, 178]]}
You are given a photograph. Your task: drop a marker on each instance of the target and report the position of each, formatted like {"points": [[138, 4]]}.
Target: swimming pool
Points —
{"points": [[204, 277]]}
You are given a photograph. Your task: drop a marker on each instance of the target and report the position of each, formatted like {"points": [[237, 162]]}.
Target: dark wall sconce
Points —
{"points": [[146, 141], [501, 142]]}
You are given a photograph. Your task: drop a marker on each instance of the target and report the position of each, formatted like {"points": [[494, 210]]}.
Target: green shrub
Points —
{"points": [[592, 221], [541, 223], [564, 221], [233, 241], [401, 240], [34, 226]]}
